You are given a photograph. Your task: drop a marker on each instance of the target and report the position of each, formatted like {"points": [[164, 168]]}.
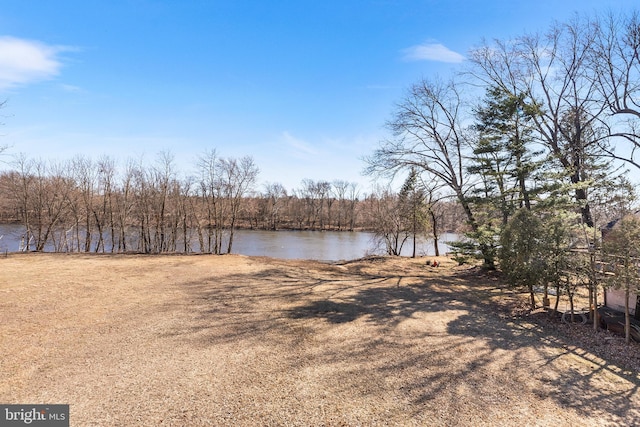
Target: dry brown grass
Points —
{"points": [[232, 340]]}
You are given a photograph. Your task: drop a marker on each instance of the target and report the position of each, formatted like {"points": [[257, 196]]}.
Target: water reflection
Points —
{"points": [[320, 245]]}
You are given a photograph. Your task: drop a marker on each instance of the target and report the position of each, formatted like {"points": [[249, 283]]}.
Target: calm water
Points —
{"points": [[321, 245]]}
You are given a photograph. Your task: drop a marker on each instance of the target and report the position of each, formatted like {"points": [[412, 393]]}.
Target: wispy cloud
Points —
{"points": [[431, 52], [71, 88], [300, 147], [26, 61]]}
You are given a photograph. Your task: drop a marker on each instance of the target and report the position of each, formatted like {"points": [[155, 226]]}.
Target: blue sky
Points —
{"points": [[304, 87]]}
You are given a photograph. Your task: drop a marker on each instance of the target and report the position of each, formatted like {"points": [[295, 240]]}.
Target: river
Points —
{"points": [[320, 245]]}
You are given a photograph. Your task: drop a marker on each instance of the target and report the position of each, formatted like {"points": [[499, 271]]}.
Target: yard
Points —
{"points": [[231, 340]]}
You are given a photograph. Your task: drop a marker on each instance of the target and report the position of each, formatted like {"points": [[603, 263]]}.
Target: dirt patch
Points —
{"points": [[234, 340]]}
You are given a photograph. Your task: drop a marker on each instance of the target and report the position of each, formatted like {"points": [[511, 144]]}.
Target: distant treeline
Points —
{"points": [[84, 205]]}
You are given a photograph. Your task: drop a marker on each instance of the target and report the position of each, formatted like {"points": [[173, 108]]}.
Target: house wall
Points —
{"points": [[615, 300]]}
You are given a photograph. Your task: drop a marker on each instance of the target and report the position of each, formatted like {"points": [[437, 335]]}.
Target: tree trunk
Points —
{"points": [[571, 305], [434, 232], [557, 303], [627, 316], [485, 250], [414, 232], [532, 295], [596, 316]]}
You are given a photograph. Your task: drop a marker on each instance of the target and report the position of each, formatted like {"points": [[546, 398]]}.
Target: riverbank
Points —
{"points": [[235, 340], [320, 245]]}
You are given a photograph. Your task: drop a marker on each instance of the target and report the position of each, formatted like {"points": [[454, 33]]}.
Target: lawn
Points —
{"points": [[232, 340]]}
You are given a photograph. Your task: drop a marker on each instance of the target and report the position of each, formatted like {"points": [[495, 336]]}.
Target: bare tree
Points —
{"points": [[553, 72], [392, 230], [326, 201], [106, 177], [160, 182], [223, 184], [87, 205], [310, 194], [239, 177], [274, 197], [185, 215], [21, 185], [432, 200], [141, 195], [211, 195], [428, 127], [614, 65], [124, 206], [50, 200], [353, 196], [86, 179], [300, 209], [340, 188]]}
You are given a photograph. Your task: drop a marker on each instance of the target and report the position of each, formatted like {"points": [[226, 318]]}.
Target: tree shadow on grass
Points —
{"points": [[481, 346], [383, 305], [572, 376], [506, 340], [248, 306], [334, 312]]}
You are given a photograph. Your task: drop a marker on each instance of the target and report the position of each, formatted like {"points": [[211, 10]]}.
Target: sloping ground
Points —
{"points": [[232, 340]]}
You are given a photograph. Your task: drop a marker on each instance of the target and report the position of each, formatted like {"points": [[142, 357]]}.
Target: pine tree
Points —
{"points": [[502, 157], [503, 164]]}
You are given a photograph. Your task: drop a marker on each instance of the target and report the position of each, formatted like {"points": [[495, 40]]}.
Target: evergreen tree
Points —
{"points": [[502, 156], [521, 252], [503, 165]]}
